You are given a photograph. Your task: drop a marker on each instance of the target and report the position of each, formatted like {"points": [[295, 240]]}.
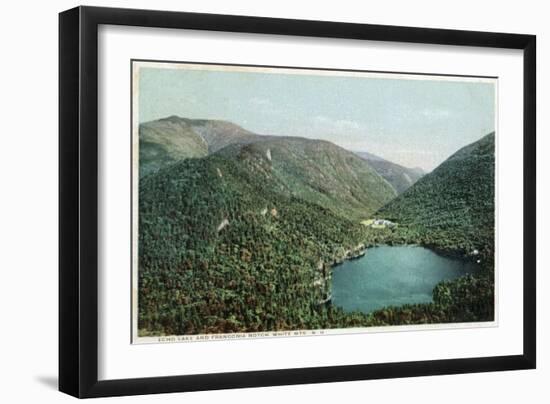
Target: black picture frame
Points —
{"points": [[78, 201]]}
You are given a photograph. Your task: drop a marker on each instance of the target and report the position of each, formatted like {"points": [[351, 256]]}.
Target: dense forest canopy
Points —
{"points": [[239, 233], [453, 207]]}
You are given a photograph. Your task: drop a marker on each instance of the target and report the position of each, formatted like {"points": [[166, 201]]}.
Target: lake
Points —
{"points": [[393, 276]]}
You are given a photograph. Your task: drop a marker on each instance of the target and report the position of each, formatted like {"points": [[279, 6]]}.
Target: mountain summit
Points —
{"points": [[171, 139]]}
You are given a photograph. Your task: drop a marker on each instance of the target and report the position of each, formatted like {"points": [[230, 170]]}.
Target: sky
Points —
{"points": [[415, 123]]}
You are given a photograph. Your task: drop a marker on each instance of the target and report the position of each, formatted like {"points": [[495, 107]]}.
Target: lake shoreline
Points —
{"points": [[407, 274]]}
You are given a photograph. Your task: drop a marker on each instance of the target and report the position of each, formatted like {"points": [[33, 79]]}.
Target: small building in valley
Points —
{"points": [[378, 223]]}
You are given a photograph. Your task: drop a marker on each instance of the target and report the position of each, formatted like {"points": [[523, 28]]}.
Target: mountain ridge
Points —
{"points": [[400, 177], [319, 172], [241, 237], [167, 140], [453, 207]]}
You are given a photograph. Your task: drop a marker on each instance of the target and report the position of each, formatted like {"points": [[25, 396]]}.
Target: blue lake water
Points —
{"points": [[393, 276]]}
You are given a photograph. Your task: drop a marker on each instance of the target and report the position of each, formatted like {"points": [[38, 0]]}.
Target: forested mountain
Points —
{"points": [[400, 177], [453, 206], [222, 248], [238, 232], [452, 210], [218, 134], [316, 171], [171, 139]]}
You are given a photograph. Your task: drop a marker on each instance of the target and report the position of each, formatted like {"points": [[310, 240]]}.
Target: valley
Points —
{"points": [[240, 232]]}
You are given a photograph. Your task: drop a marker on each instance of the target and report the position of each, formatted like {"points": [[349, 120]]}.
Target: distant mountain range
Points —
{"points": [[171, 139], [400, 177], [242, 239], [316, 171], [238, 231]]}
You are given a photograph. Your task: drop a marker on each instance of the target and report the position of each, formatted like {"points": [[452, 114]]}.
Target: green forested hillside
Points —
{"points": [[313, 170], [240, 234], [316, 171], [452, 208], [400, 178], [221, 250], [243, 239]]}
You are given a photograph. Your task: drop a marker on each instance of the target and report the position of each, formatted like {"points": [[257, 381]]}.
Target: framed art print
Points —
{"points": [[249, 201]]}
